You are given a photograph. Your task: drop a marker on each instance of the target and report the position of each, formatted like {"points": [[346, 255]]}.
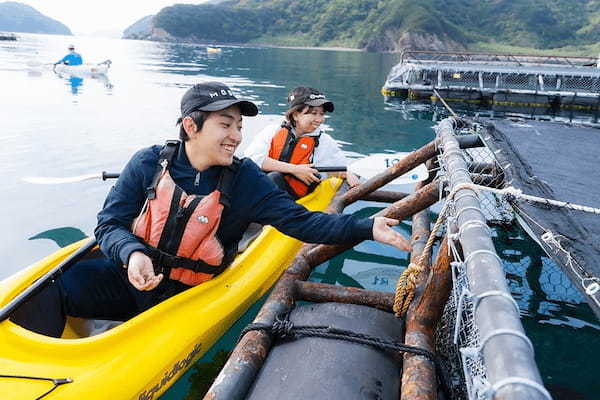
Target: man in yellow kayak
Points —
{"points": [[176, 214]]}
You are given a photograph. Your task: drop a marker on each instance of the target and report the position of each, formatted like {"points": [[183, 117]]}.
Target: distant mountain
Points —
{"points": [[140, 29], [385, 25], [18, 17]]}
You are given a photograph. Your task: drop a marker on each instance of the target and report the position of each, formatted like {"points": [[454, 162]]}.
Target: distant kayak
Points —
{"points": [[213, 50], [83, 69]]}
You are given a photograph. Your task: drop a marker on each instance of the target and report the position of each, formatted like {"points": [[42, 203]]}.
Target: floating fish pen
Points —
{"points": [[451, 330], [7, 36], [501, 80], [556, 198]]}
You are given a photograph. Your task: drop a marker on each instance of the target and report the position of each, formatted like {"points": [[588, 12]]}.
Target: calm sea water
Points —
{"points": [[57, 126]]}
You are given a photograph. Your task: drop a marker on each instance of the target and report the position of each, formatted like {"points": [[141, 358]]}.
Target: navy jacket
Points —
{"points": [[254, 198]]}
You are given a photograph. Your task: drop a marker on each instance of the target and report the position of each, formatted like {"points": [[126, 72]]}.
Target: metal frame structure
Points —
{"points": [[510, 374], [497, 78], [498, 339]]}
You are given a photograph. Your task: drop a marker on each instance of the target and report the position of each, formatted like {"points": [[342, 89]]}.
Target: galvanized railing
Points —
{"points": [[481, 319]]}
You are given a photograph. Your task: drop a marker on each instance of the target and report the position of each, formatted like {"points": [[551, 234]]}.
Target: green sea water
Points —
{"points": [[59, 126]]}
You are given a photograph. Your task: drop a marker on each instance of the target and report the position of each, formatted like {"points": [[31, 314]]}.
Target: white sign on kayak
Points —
{"points": [[375, 164]]}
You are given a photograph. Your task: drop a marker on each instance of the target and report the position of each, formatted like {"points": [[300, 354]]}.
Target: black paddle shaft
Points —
{"points": [[115, 175], [331, 169], [36, 286]]}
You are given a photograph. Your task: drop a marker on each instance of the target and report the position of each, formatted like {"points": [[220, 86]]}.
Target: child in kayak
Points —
{"points": [[290, 151], [174, 217]]}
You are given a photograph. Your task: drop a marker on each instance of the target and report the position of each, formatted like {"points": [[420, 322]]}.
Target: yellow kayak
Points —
{"points": [[140, 358]]}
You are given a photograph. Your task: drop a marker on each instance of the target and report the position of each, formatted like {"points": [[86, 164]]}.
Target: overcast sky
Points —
{"points": [[86, 16]]}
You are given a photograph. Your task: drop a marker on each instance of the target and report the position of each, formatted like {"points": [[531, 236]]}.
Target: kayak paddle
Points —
{"points": [[366, 167]]}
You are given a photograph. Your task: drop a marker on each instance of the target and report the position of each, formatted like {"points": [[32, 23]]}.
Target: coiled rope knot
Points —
{"points": [[282, 327], [405, 288]]}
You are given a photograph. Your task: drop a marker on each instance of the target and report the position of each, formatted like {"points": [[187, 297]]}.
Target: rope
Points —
{"points": [[284, 328], [56, 382], [405, 288], [439, 96], [512, 193]]}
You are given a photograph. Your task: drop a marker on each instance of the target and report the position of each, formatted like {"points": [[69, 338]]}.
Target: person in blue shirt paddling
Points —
{"points": [[73, 58], [175, 216]]}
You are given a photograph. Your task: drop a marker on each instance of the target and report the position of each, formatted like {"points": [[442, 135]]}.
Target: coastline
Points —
{"points": [[326, 48], [253, 44]]}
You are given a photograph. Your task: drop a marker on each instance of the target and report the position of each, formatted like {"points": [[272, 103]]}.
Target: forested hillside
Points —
{"points": [[18, 17], [386, 25]]}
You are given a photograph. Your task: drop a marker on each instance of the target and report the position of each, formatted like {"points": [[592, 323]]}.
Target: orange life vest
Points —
{"points": [[179, 229], [287, 148]]}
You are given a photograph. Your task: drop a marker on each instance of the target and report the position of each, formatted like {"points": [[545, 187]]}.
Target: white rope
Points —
{"points": [[517, 193], [589, 283]]}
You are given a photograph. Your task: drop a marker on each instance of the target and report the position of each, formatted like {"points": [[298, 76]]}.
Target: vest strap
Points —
{"points": [[165, 260], [165, 159]]}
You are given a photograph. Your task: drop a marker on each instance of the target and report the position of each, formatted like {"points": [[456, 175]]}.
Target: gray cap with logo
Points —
{"points": [[213, 96]]}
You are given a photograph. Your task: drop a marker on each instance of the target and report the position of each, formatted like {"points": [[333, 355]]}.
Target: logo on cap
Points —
{"points": [[221, 92]]}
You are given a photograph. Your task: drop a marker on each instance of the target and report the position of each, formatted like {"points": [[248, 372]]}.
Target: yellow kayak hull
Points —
{"points": [[142, 357]]}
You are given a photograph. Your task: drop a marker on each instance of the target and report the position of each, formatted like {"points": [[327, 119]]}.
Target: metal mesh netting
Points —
{"points": [[537, 284], [531, 81], [485, 171]]}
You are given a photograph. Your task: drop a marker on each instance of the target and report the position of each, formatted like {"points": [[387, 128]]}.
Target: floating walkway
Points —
{"points": [[497, 79]]}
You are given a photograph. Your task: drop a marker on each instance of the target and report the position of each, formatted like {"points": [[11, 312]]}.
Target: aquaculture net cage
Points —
{"points": [[458, 339]]}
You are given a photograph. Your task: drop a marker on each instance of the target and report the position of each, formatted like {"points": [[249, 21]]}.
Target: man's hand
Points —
{"points": [[306, 173], [352, 179], [140, 272], [384, 234]]}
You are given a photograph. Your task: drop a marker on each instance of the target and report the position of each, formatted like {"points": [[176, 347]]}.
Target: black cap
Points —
{"points": [[213, 96], [309, 96]]}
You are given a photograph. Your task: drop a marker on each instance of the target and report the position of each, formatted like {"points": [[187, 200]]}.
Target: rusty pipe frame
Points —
{"points": [[384, 196], [247, 358], [323, 292], [399, 210], [418, 373], [409, 162], [421, 229]]}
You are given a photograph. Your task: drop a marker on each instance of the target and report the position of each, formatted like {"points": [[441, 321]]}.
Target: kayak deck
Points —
{"points": [[142, 357]]}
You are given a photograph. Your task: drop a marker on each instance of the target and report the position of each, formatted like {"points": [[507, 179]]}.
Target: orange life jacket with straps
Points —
{"points": [[179, 229], [287, 148]]}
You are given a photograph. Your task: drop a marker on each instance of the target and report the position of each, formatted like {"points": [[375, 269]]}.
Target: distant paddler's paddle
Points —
{"points": [[366, 167]]}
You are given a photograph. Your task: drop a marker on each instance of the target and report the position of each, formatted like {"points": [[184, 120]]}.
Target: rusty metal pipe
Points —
{"points": [[250, 353], [400, 210], [409, 162], [322, 292], [239, 372], [418, 374], [385, 196], [421, 229]]}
